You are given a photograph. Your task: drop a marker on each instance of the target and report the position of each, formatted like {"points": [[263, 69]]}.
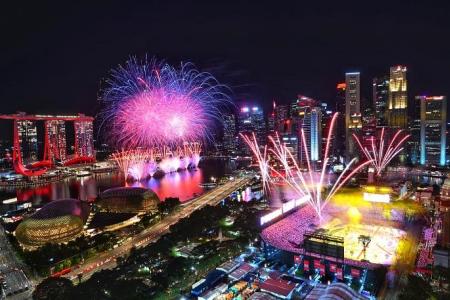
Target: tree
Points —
{"points": [[53, 288], [417, 288]]}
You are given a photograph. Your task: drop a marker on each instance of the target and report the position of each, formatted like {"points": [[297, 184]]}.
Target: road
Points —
{"points": [[107, 259], [15, 282]]}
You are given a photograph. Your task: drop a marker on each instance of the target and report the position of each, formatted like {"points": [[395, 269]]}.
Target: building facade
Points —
{"points": [[56, 132], [353, 121], [84, 138], [312, 129], [433, 127], [229, 134], [28, 140], [380, 94], [397, 106], [251, 119]]}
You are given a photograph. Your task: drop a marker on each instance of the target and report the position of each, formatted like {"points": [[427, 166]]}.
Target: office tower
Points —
{"points": [[306, 114], [340, 98], [352, 112], [433, 126], [312, 128], [27, 134], [251, 119], [327, 116], [56, 134], [339, 142], [291, 141], [380, 91], [397, 108], [413, 143], [282, 118], [298, 111], [229, 134], [84, 138], [271, 120]]}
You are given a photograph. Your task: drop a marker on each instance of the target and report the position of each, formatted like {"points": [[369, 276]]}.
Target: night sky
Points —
{"points": [[54, 55]]}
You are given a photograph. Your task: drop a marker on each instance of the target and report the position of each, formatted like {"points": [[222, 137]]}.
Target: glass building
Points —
{"points": [[84, 138], [229, 134], [380, 92], [28, 140], [56, 133], [433, 127], [251, 119]]}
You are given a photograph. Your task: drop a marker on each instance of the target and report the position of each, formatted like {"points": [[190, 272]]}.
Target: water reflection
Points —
{"points": [[184, 185]]}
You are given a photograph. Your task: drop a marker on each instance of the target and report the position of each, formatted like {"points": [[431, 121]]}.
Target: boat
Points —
{"points": [[83, 173]]}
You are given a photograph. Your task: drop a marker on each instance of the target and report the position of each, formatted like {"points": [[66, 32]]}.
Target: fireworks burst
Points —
{"points": [[151, 104], [140, 164], [305, 183], [378, 154]]}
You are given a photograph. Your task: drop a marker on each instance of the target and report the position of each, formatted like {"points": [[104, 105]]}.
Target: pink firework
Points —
{"points": [[151, 104], [381, 154], [308, 185], [194, 150], [134, 163], [261, 157]]}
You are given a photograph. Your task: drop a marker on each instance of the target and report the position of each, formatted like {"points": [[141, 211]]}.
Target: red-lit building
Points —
{"points": [[25, 142]]}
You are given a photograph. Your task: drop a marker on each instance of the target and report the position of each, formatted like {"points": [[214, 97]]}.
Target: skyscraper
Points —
{"points": [[84, 138], [339, 141], [281, 117], [298, 111], [229, 134], [251, 119], [397, 106], [433, 126], [380, 91], [352, 112], [271, 120], [312, 126], [307, 115], [28, 142], [56, 131]]}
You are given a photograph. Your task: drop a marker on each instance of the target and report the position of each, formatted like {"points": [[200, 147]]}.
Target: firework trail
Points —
{"points": [[261, 157], [152, 104], [379, 154], [305, 183]]}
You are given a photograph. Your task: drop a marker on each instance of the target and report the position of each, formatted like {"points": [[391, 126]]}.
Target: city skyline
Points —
{"points": [[224, 150]]}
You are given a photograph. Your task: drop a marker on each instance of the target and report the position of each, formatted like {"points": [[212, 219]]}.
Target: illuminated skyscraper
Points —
{"points": [[271, 120], [56, 131], [380, 89], [339, 141], [27, 132], [251, 119], [312, 127], [229, 134], [84, 138], [281, 118], [397, 107], [352, 112], [433, 126], [299, 108]]}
